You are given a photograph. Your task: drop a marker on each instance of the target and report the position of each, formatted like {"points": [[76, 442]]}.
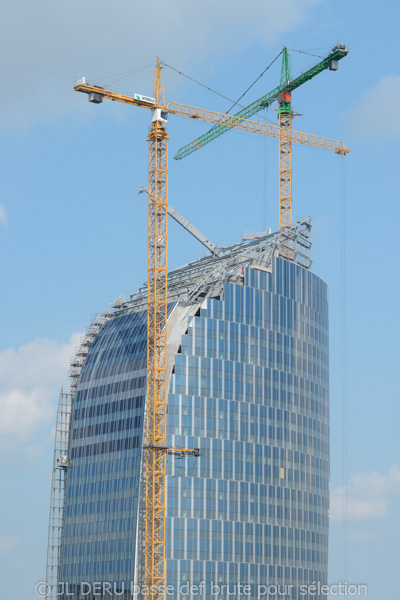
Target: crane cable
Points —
{"points": [[198, 82], [344, 363], [122, 75], [234, 103], [254, 82], [305, 52]]}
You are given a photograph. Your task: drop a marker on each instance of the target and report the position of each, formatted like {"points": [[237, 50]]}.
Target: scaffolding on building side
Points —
{"points": [[60, 472]]}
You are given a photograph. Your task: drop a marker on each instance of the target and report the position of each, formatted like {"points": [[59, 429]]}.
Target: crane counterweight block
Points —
{"points": [[333, 65], [95, 98]]}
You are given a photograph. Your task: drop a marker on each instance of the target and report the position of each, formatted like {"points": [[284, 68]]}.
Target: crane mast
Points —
{"points": [[285, 115], [285, 170], [156, 403], [285, 147]]}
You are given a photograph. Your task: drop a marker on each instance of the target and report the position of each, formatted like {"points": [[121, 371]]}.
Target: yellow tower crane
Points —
{"points": [[156, 401]]}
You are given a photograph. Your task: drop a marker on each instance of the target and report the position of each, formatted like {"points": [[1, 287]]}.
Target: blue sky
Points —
{"points": [[73, 229]]}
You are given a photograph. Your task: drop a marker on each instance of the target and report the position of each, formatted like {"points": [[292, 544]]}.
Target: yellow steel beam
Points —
{"points": [[212, 116]]}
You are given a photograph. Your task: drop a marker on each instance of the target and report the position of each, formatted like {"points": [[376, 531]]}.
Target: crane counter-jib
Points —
{"points": [[329, 62]]}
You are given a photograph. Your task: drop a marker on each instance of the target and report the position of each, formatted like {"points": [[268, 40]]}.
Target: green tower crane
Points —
{"points": [[282, 94]]}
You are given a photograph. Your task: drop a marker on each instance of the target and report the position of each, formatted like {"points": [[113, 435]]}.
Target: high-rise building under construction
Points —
{"points": [[247, 354]]}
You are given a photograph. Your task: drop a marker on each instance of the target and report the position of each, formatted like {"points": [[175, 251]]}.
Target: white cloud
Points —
{"points": [[7, 543], [366, 117], [3, 215], [31, 377], [368, 495], [45, 45]]}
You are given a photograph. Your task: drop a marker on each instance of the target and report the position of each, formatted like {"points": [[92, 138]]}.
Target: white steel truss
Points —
{"points": [[58, 484]]}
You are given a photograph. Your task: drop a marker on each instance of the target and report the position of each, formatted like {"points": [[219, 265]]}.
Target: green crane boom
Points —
{"points": [[329, 62]]}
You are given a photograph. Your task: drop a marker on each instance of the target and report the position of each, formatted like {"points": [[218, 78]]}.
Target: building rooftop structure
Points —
{"points": [[206, 276]]}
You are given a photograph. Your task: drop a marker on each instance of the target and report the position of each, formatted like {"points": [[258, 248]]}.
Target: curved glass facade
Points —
{"points": [[102, 494], [249, 387]]}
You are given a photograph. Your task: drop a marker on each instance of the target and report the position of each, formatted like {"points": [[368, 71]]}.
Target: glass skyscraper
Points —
{"points": [[248, 384]]}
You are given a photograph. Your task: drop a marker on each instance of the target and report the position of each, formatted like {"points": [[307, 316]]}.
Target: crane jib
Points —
{"points": [[328, 62]]}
